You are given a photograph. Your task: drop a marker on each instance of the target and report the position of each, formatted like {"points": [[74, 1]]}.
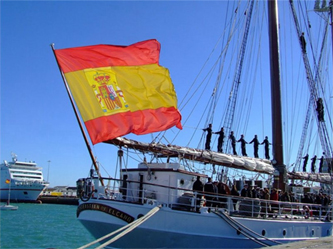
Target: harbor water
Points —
{"points": [[56, 226], [42, 226]]}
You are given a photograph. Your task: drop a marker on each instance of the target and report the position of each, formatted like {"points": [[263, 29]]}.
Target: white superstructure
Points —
{"points": [[25, 179]]}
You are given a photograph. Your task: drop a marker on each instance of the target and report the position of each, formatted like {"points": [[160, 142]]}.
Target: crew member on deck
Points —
{"points": [[306, 158], [255, 142], [208, 137], [198, 187], [209, 190], [220, 140], [243, 144], [267, 143], [245, 191], [234, 192], [233, 142], [313, 164], [303, 42]]}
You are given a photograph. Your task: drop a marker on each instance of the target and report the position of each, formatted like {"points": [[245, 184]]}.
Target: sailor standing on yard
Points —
{"points": [[306, 158], [313, 164], [303, 42], [208, 137], [233, 142], [267, 143], [220, 140], [255, 142], [243, 144]]}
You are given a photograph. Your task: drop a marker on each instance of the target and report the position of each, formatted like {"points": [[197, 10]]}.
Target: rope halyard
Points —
{"points": [[127, 228]]}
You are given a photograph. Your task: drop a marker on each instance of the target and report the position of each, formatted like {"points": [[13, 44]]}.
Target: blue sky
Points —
{"points": [[37, 121]]}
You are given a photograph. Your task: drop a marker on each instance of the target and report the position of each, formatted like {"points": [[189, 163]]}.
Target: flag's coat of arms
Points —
{"points": [[107, 92]]}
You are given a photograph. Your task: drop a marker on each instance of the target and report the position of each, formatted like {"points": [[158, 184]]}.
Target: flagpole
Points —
{"points": [[78, 118]]}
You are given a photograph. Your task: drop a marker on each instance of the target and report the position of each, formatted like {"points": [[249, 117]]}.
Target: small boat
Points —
{"points": [[8, 206]]}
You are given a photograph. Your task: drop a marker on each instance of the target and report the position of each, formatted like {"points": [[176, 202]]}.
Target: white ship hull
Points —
{"points": [[24, 180], [178, 229], [21, 191]]}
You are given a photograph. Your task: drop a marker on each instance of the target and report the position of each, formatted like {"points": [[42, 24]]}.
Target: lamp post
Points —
{"points": [[48, 170]]}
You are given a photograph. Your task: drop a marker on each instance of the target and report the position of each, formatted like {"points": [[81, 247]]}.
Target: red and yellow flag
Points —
{"points": [[120, 89], [7, 181]]}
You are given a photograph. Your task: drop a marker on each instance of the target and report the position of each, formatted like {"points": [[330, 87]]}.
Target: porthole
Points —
{"points": [[263, 232], [239, 231], [312, 232], [284, 232], [139, 216], [182, 182]]}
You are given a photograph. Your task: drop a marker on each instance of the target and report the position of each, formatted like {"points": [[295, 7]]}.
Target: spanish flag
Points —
{"points": [[120, 89], [7, 181]]}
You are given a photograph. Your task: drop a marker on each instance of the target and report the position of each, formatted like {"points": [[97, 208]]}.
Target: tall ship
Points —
{"points": [[179, 194], [24, 180]]}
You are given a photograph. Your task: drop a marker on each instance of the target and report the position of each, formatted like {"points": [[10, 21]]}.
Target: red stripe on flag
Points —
{"points": [[131, 122], [96, 56]]}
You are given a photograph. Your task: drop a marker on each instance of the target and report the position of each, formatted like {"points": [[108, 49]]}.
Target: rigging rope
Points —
{"points": [[323, 133]]}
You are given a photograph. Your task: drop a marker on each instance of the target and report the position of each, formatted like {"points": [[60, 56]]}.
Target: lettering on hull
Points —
{"points": [[105, 209]]}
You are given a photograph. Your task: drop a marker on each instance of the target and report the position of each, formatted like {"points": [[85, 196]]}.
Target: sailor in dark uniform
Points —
{"points": [[233, 142], [306, 158], [313, 164], [198, 187], [255, 142], [208, 137], [320, 109], [243, 144], [267, 143], [220, 140], [303, 42]]}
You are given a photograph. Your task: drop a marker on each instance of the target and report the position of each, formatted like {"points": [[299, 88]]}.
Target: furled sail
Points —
{"points": [[203, 156]]}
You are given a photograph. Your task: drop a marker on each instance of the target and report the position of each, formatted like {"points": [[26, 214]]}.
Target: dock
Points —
{"points": [[321, 243], [68, 200]]}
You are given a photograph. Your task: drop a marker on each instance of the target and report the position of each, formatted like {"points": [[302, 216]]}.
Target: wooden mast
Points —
{"points": [[277, 140], [78, 119]]}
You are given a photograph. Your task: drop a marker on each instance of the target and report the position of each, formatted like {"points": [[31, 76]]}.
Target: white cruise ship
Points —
{"points": [[25, 179]]}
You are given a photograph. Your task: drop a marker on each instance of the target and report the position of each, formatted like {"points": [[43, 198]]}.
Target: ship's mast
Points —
{"points": [[331, 11], [277, 140]]}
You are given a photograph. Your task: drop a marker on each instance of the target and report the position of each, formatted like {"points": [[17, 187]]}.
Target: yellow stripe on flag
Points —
{"points": [[106, 91]]}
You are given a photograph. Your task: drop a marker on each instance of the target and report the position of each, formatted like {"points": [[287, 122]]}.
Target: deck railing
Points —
{"points": [[187, 200]]}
